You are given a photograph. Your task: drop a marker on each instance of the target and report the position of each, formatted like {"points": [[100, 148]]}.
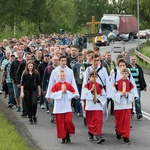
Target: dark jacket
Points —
{"points": [[41, 69], [30, 82], [13, 69], [143, 84], [37, 62], [19, 72], [47, 73]]}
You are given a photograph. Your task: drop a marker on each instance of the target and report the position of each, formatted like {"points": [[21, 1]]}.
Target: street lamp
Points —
{"points": [[138, 16]]}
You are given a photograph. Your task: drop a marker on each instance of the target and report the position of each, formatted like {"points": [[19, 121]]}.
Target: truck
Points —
{"points": [[119, 27]]}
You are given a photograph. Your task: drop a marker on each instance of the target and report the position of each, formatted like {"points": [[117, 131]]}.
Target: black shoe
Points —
{"points": [[30, 121], [118, 137], [100, 139], [68, 138], [126, 140], [131, 127], [139, 116], [34, 119], [91, 136], [24, 115], [63, 141]]}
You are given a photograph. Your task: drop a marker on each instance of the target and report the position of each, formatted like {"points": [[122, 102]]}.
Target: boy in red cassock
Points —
{"points": [[62, 92], [94, 107], [123, 95]]}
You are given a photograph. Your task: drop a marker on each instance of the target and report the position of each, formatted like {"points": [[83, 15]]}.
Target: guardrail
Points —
{"points": [[142, 57]]}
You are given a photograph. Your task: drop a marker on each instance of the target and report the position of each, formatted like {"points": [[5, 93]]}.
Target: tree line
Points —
{"points": [[30, 17]]}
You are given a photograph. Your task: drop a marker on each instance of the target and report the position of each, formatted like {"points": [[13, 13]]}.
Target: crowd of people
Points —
{"points": [[60, 73]]}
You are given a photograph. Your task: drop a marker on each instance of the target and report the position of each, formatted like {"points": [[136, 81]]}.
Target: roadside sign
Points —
{"points": [[116, 49]]}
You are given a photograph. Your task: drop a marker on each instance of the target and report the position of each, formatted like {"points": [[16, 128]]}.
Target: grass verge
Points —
{"points": [[10, 139]]}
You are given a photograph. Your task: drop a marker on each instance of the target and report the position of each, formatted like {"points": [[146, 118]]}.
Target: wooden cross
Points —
{"points": [[93, 23]]}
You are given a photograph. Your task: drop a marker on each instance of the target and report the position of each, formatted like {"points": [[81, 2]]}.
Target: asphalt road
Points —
{"points": [[44, 132], [128, 45]]}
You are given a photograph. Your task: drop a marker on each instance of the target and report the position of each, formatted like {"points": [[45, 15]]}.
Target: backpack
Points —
{"points": [[48, 69]]}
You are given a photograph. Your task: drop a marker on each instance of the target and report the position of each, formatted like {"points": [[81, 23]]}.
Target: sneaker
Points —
{"points": [[118, 136], [68, 138], [47, 111], [18, 109], [63, 141], [91, 136], [24, 114], [0, 92], [13, 106], [126, 141], [100, 139], [52, 118], [10, 105], [79, 115], [139, 116], [42, 107], [35, 119], [30, 121]]}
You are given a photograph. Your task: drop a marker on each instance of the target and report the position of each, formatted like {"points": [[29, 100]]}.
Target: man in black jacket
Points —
{"points": [[41, 68], [46, 76], [13, 69], [141, 85]]}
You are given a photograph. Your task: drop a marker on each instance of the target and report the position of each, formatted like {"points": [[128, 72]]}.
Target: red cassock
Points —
{"points": [[94, 118], [59, 86], [129, 85], [123, 117], [64, 124]]}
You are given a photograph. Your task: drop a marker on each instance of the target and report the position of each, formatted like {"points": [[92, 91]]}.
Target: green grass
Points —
{"points": [[145, 51], [143, 64], [9, 137]]}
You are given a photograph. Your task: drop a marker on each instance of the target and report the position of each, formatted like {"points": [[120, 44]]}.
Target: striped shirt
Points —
{"points": [[135, 74]]}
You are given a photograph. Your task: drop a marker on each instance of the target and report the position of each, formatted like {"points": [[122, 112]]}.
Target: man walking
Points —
{"points": [[141, 85]]}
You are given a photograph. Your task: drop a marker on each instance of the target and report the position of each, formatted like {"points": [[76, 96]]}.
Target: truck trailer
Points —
{"points": [[119, 27]]}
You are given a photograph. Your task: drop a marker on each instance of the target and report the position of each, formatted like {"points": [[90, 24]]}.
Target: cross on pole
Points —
{"points": [[93, 23]]}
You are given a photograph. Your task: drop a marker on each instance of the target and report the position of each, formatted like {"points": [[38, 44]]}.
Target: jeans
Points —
{"points": [[11, 93], [138, 104]]}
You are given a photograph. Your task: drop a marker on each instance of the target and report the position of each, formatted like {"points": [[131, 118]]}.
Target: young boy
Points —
{"points": [[94, 107], [123, 95], [62, 92]]}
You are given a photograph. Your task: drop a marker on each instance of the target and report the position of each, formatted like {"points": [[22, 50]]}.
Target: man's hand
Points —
{"points": [[18, 85], [22, 95]]}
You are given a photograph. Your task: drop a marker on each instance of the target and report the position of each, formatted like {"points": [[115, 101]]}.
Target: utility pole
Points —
{"points": [[138, 16]]}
